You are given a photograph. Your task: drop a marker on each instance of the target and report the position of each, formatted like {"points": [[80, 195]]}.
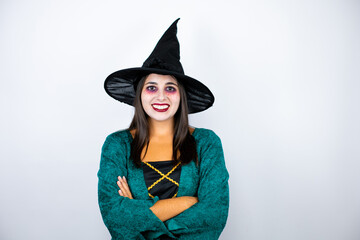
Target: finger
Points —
{"points": [[126, 187], [122, 184], [119, 184], [122, 191]]}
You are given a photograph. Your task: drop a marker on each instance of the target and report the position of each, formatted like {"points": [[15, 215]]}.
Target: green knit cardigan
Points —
{"points": [[132, 219]]}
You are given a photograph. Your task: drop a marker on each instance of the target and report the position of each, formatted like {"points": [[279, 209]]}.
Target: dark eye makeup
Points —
{"points": [[170, 89], [151, 88], [154, 89]]}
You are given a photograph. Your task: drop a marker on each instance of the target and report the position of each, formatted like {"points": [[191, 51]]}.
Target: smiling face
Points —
{"points": [[160, 97]]}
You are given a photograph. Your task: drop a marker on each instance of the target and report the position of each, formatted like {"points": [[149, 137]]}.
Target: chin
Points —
{"points": [[158, 118], [161, 119]]}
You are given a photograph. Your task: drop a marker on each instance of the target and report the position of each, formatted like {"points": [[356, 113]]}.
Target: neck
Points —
{"points": [[161, 128]]}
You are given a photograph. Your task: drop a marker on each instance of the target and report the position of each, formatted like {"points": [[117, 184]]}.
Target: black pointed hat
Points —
{"points": [[164, 59]]}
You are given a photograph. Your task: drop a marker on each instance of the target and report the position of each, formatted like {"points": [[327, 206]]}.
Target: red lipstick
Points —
{"points": [[162, 107]]}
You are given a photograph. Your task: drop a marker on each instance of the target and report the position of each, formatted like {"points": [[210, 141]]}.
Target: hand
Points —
{"points": [[124, 187], [165, 209]]}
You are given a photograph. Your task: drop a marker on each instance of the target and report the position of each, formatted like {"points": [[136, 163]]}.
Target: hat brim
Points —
{"points": [[120, 86]]}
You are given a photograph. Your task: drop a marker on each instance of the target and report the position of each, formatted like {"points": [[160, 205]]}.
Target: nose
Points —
{"points": [[161, 95]]}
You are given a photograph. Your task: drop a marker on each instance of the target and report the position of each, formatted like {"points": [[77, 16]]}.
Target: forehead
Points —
{"points": [[159, 78]]}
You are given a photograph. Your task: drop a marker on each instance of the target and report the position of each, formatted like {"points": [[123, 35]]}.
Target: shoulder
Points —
{"points": [[205, 135], [209, 147], [206, 139], [119, 135]]}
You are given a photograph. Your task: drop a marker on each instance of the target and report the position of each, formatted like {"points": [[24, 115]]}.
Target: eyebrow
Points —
{"points": [[168, 83]]}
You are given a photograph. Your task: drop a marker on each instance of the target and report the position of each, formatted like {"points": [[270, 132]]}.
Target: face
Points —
{"points": [[160, 97]]}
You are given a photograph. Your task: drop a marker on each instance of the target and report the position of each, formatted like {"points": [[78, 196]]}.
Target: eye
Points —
{"points": [[151, 88], [170, 89]]}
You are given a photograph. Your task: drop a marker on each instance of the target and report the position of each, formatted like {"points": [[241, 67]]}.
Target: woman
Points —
{"points": [[161, 178]]}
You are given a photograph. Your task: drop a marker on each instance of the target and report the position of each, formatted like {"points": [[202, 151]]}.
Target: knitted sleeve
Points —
{"points": [[125, 218], [207, 218]]}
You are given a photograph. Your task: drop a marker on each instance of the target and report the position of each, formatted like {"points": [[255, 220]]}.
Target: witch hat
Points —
{"points": [[164, 59]]}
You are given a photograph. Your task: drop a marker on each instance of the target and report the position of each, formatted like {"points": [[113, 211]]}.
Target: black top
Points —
{"points": [[162, 178]]}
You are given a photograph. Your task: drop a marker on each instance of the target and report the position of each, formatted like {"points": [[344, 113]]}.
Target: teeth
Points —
{"points": [[160, 106]]}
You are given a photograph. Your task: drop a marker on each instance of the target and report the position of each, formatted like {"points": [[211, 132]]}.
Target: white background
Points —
{"points": [[285, 75]]}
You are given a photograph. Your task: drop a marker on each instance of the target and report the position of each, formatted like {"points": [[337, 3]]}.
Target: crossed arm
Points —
{"points": [[164, 209], [128, 218]]}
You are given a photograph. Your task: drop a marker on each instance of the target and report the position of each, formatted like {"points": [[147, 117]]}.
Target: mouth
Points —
{"points": [[160, 107]]}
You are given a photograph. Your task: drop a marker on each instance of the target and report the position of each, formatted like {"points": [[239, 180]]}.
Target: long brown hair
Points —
{"points": [[183, 141]]}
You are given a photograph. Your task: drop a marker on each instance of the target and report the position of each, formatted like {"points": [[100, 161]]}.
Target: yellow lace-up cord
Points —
{"points": [[163, 176]]}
